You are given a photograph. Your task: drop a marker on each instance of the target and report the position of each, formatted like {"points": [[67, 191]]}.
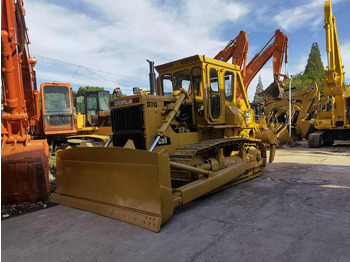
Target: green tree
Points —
{"points": [[300, 81], [90, 88], [314, 71], [259, 89], [87, 88]]}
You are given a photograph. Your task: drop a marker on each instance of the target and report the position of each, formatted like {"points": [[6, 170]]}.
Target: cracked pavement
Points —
{"points": [[298, 210]]}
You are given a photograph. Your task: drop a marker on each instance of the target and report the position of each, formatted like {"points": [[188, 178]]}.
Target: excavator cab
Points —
{"points": [[57, 108], [92, 109]]}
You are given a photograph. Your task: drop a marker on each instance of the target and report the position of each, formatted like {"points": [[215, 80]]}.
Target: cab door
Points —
{"points": [[216, 103]]}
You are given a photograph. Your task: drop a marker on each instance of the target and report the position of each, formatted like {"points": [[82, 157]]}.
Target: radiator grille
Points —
{"points": [[128, 123], [119, 139], [127, 118]]}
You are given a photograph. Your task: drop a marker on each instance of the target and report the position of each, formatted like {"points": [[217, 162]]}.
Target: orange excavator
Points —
{"points": [[278, 51], [237, 49], [24, 157]]}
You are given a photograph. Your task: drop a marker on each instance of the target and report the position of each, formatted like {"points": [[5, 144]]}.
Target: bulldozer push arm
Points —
{"points": [[174, 110]]}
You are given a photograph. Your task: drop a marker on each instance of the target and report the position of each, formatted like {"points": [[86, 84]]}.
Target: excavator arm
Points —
{"points": [[278, 50], [18, 75], [237, 49], [24, 161], [332, 118], [335, 72]]}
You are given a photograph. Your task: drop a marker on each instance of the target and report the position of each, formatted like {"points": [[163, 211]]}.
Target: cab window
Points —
{"points": [[214, 96], [214, 83], [229, 85], [56, 99], [79, 104], [103, 99], [91, 103], [167, 84], [182, 79]]}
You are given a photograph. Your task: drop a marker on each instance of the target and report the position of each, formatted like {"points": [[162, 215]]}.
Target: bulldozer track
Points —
{"points": [[186, 154]]}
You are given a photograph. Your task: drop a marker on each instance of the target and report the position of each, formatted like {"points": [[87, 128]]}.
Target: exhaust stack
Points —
{"points": [[152, 77]]}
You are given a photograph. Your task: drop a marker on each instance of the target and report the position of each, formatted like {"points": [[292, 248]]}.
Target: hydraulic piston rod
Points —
{"points": [[169, 118]]}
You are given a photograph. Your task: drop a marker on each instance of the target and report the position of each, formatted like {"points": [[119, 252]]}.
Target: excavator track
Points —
{"points": [[188, 154]]}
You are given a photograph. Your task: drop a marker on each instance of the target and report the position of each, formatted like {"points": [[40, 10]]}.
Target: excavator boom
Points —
{"points": [[333, 115], [335, 70], [278, 51], [24, 159], [24, 162], [237, 49]]}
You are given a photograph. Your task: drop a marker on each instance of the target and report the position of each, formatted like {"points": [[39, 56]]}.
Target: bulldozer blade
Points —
{"points": [[130, 185]]}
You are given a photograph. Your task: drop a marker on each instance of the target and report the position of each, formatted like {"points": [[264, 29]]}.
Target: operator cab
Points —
{"points": [[206, 79], [259, 110], [57, 108], [93, 104]]}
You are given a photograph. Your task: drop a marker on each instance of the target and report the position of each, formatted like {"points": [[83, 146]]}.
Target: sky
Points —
{"points": [[111, 40]]}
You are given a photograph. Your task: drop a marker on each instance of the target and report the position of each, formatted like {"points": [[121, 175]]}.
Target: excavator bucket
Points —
{"points": [[25, 172], [126, 184], [274, 90]]}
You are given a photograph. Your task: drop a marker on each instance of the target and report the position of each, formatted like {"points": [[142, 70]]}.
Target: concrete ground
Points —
{"points": [[298, 210]]}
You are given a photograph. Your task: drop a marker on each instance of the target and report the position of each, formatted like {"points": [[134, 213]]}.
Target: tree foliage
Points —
{"points": [[259, 89], [314, 71], [90, 88], [86, 89]]}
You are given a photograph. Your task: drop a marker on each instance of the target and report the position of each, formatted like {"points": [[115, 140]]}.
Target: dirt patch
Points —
{"points": [[18, 209]]}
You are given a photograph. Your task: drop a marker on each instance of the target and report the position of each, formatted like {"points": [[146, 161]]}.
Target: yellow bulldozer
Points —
{"points": [[190, 136], [92, 119]]}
